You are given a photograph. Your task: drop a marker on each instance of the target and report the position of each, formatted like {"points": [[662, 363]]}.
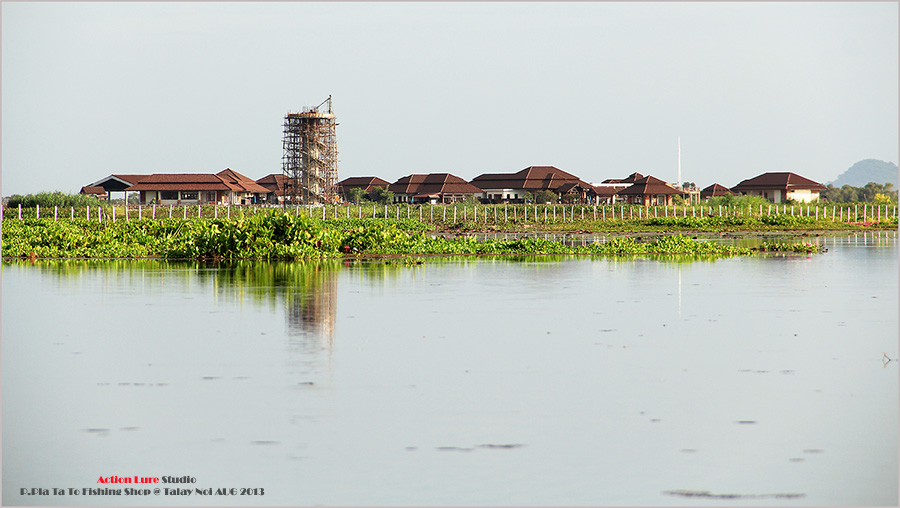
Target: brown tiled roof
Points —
{"points": [[433, 184], [407, 185], [132, 179], [649, 185], [532, 177], [93, 189], [571, 186], [230, 175], [778, 180], [715, 190], [228, 181], [633, 177], [239, 182], [365, 183], [151, 182], [611, 190], [272, 179], [445, 183], [273, 183]]}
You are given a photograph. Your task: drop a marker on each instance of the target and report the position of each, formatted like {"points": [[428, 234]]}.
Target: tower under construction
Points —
{"points": [[310, 162]]}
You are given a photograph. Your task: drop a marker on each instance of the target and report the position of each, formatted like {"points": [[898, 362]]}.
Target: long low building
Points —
{"points": [[514, 187], [230, 187], [432, 188], [225, 187]]}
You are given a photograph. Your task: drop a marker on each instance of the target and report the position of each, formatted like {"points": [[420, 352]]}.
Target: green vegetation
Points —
{"points": [[717, 223], [545, 196], [742, 202], [355, 195], [379, 195], [871, 193], [279, 236], [210, 232], [51, 199]]}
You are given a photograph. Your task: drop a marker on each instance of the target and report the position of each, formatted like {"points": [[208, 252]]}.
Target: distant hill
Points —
{"points": [[868, 170]]}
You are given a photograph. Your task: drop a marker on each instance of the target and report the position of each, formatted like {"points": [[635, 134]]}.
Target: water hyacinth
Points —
{"points": [[279, 236]]}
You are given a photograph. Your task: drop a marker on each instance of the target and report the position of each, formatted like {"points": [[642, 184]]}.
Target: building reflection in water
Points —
{"points": [[306, 290], [312, 306]]}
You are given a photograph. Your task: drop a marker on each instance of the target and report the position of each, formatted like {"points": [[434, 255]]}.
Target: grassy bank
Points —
{"points": [[275, 235]]}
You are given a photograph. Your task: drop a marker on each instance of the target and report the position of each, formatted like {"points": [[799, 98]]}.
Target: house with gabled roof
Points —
{"points": [[96, 191], [650, 191], [432, 188], [579, 192], [275, 184], [405, 188], [715, 190], [225, 187], [511, 187], [366, 183], [608, 193], [781, 186]]}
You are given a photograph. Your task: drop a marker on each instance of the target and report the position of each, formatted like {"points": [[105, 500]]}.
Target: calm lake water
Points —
{"points": [[475, 381]]}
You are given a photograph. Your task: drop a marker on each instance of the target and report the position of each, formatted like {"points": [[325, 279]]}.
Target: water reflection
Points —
{"points": [[306, 290], [525, 378]]}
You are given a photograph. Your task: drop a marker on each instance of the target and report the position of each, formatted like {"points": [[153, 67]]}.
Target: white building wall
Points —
{"points": [[512, 193], [803, 195]]}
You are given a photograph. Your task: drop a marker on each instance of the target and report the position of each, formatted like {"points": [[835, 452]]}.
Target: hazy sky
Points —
{"points": [[596, 89]]}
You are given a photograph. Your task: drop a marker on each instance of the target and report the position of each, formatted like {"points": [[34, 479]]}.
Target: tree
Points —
{"points": [[528, 197], [545, 196], [869, 193], [570, 199], [355, 194], [381, 196]]}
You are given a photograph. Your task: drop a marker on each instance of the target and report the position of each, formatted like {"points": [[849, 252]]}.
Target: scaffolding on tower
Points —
{"points": [[310, 162]]}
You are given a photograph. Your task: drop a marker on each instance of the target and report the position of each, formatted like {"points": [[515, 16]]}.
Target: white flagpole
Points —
{"points": [[679, 162]]}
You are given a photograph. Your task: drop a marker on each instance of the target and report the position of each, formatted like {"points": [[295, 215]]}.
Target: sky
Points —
{"points": [[597, 89]]}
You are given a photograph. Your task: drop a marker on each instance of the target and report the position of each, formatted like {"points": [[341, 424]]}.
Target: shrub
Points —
{"points": [[50, 199]]}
